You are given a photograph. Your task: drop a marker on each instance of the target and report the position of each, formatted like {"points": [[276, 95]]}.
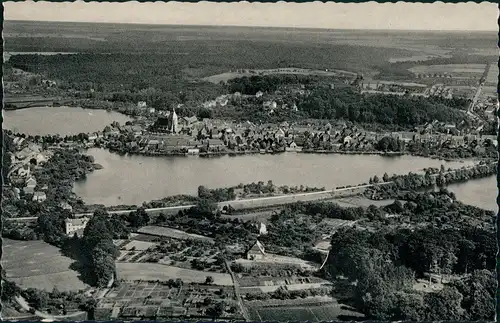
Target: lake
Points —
{"points": [[59, 120], [479, 192], [135, 179]]}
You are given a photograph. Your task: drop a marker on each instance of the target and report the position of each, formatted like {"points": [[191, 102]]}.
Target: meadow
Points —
{"points": [[36, 264]]}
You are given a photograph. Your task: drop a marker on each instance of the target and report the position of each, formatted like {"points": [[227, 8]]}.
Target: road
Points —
{"points": [[175, 209], [24, 304], [236, 284], [475, 98]]}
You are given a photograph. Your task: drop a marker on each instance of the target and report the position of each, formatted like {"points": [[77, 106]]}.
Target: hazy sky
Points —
{"points": [[370, 15]]}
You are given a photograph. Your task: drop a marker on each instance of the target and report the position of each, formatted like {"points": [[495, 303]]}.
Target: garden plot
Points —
{"points": [[172, 233], [159, 272], [138, 245], [273, 259]]}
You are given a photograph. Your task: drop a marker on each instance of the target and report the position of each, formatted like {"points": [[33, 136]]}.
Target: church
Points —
{"points": [[168, 124]]}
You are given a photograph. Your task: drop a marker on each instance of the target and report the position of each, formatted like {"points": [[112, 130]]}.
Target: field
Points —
{"points": [[456, 70], [305, 312], [172, 233], [36, 264], [492, 76], [153, 272]]}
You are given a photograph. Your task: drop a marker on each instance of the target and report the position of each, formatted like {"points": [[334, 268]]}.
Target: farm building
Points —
{"points": [[256, 252]]}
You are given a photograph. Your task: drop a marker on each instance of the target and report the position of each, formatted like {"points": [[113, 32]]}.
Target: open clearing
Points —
{"points": [[152, 272], [171, 233], [36, 264], [290, 70]]}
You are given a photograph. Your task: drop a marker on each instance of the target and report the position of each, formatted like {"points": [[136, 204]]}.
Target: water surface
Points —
{"points": [[135, 179], [59, 120]]}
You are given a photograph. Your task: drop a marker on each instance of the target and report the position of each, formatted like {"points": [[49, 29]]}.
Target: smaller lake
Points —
{"points": [[481, 192], [59, 120]]}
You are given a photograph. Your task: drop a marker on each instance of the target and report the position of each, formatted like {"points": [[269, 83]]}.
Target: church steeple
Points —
{"points": [[173, 121]]}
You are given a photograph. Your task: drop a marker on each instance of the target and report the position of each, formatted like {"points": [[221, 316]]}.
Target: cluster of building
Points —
{"points": [[24, 159], [171, 134]]}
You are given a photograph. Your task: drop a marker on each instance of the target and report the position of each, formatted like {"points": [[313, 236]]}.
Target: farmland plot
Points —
{"points": [[138, 245], [492, 76], [36, 264], [172, 233], [314, 313], [449, 69], [153, 272]]}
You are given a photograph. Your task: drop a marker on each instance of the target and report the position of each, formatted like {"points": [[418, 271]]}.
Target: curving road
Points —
{"points": [[24, 304]]}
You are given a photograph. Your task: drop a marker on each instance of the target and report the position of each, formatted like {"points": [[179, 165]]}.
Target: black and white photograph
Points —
{"points": [[249, 162]]}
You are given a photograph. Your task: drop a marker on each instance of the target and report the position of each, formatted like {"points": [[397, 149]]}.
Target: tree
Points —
{"points": [[444, 305], [376, 180], [479, 295], [216, 310], [209, 280], [385, 178]]}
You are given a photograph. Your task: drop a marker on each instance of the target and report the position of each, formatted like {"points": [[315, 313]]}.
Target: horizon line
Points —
{"points": [[247, 26]]}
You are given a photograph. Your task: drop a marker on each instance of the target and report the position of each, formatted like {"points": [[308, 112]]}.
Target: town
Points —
{"points": [[285, 188]]}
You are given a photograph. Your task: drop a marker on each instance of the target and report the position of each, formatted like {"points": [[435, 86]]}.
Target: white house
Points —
{"points": [[293, 147], [256, 252], [93, 136], [31, 182], [39, 196], [193, 151], [40, 159], [75, 225], [259, 94], [347, 140], [279, 134], [262, 229], [141, 104]]}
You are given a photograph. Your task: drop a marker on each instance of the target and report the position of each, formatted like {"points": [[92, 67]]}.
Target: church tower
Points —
{"points": [[174, 127]]}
